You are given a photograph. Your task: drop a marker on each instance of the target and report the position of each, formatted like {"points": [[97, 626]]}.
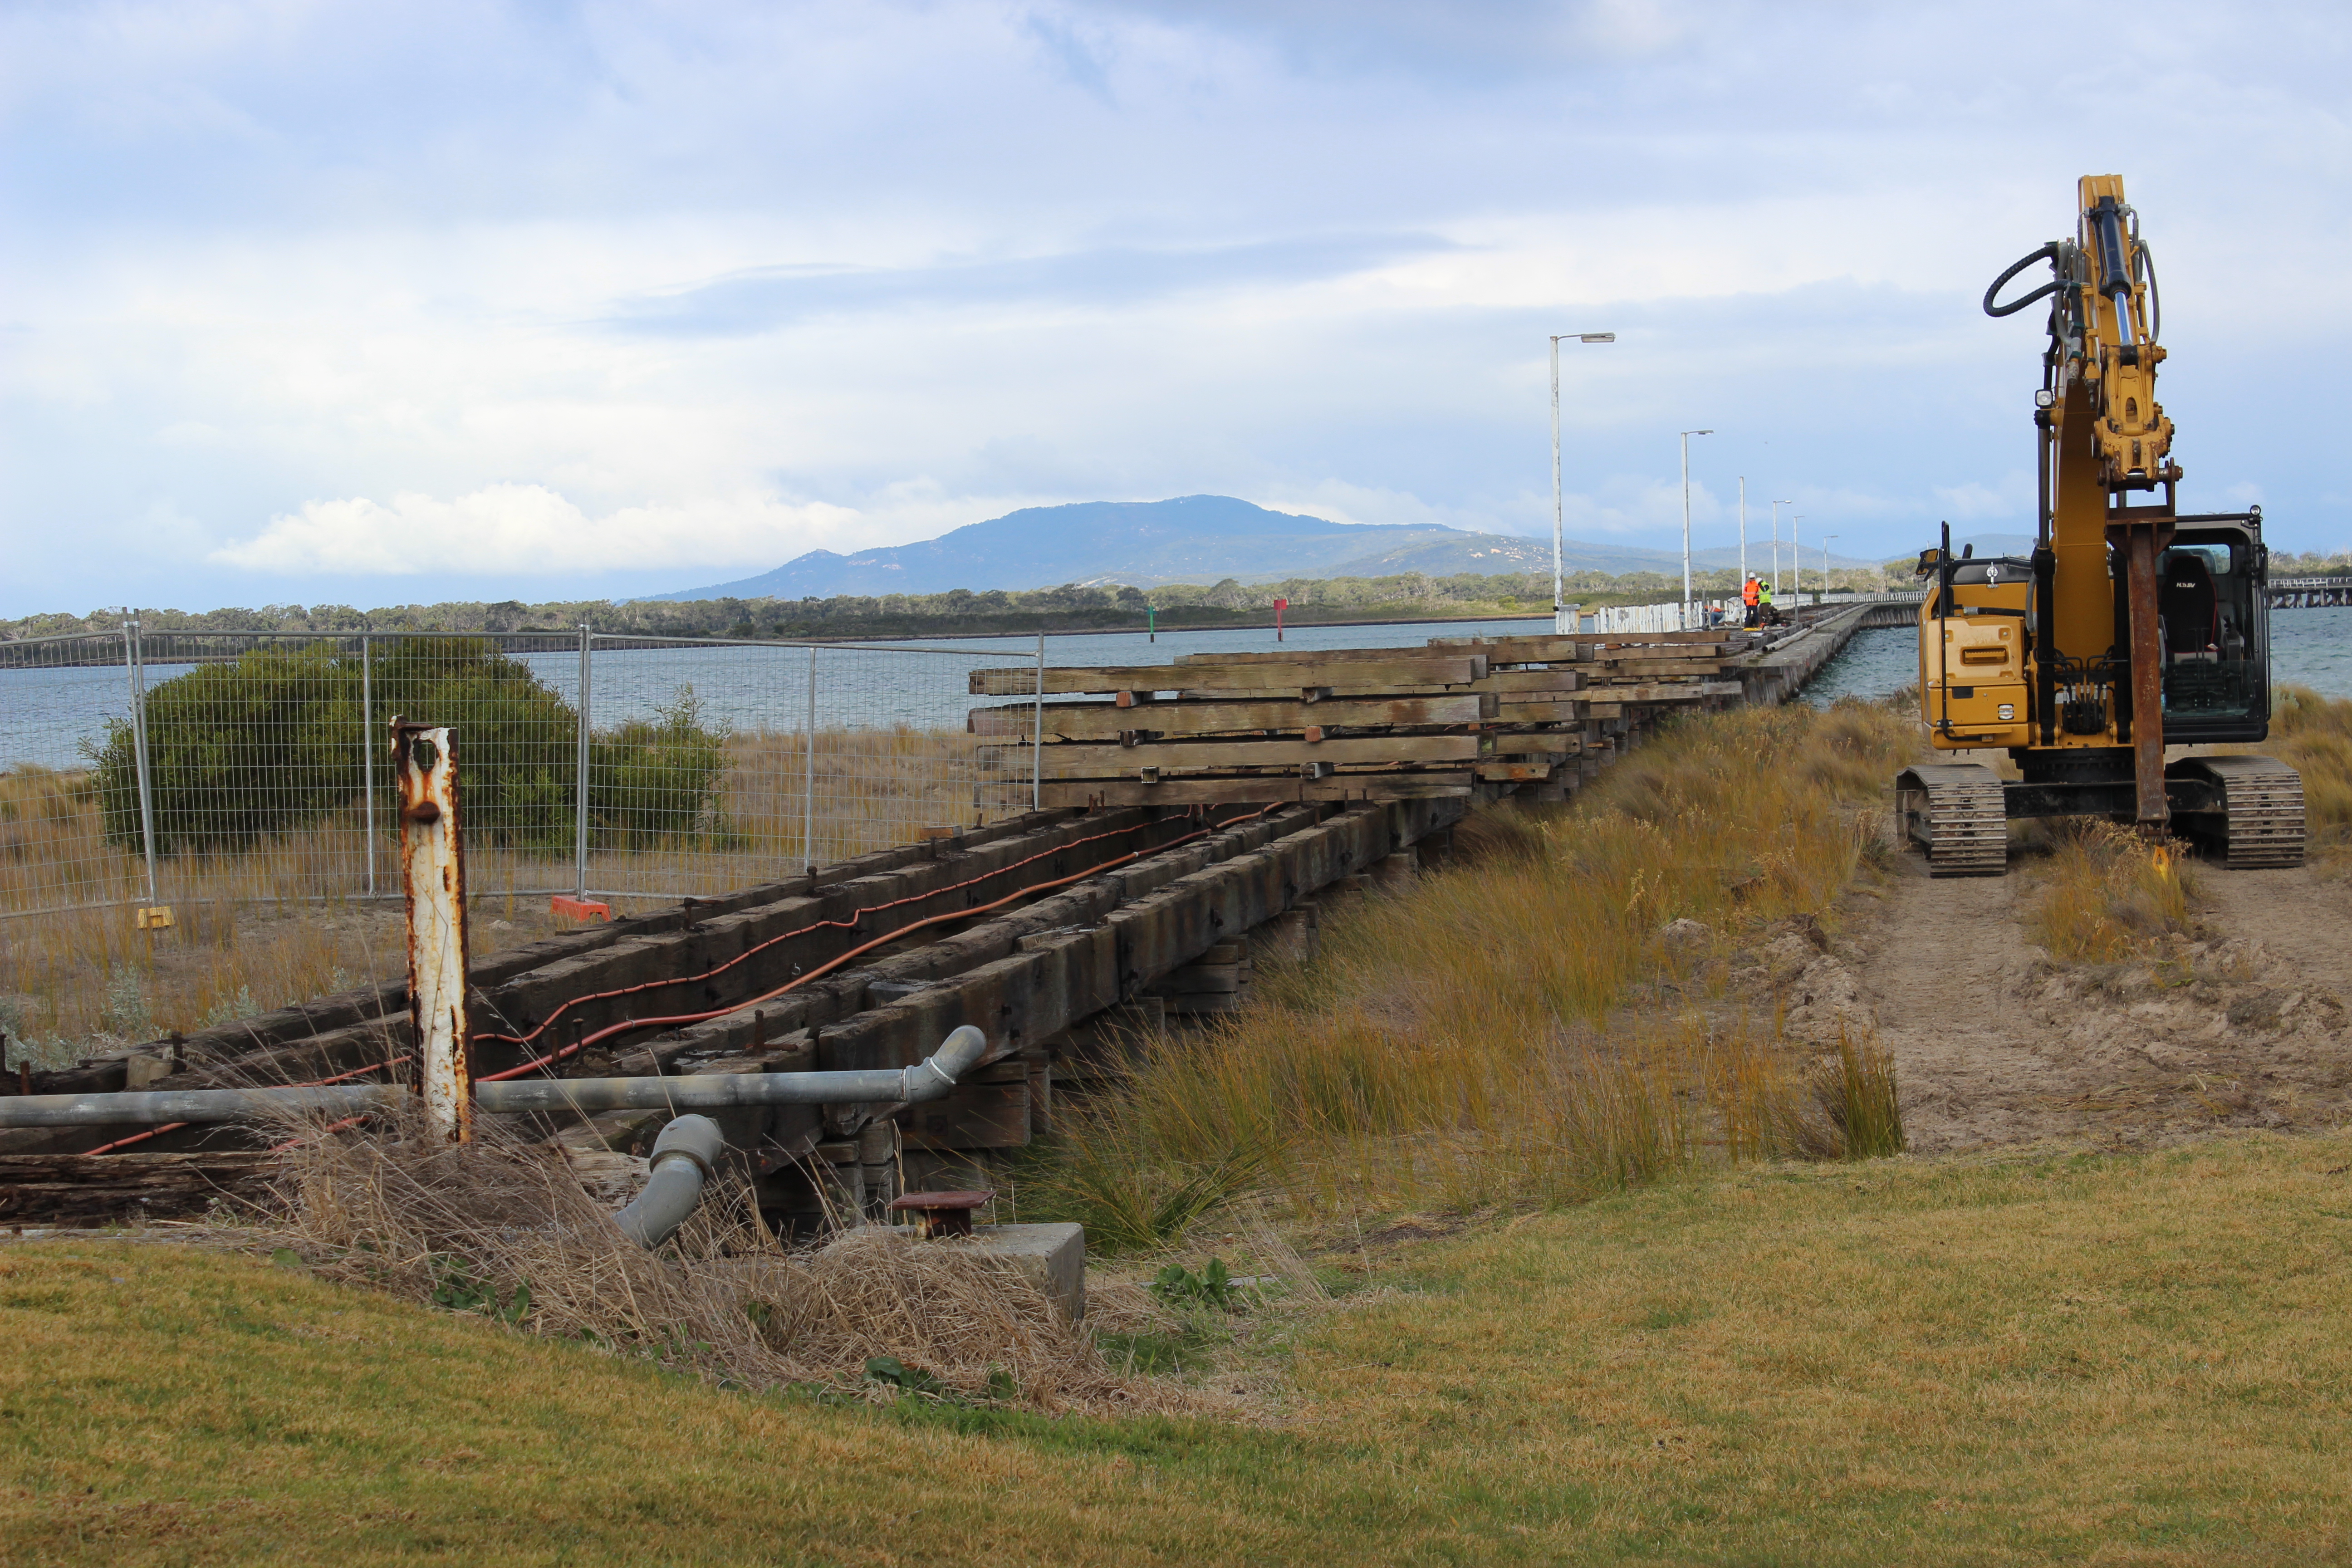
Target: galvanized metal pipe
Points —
{"points": [[195, 1105], [684, 1157], [957, 1054]]}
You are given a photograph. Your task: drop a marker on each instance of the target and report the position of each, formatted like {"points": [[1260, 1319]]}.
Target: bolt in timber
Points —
{"points": [[433, 882]]}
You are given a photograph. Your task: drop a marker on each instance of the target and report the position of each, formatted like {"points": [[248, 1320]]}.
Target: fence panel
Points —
{"points": [[61, 700], [717, 765]]}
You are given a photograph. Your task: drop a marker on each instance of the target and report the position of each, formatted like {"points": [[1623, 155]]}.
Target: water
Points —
{"points": [[2308, 648]]}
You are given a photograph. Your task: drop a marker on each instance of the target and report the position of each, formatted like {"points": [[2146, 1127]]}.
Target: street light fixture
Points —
{"points": [[1796, 563], [1776, 541], [1687, 583], [1559, 590], [1825, 565]]}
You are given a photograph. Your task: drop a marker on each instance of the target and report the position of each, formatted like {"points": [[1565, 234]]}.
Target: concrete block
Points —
{"points": [[1052, 1256]]}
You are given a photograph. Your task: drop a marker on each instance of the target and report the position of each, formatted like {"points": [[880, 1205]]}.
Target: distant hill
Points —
{"points": [[1191, 539]]}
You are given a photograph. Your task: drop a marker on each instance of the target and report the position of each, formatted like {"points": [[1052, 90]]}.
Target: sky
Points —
{"points": [[315, 303]]}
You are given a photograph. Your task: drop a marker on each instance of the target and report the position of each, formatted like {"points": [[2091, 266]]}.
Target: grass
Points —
{"points": [[1474, 1043], [2314, 734], [2108, 895], [282, 920], [2129, 1359]]}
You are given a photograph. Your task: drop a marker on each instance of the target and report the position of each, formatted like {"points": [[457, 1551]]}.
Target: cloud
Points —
{"points": [[550, 290], [530, 530], [1110, 278]]}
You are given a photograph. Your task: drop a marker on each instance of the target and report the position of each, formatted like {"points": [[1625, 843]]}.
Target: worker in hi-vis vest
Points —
{"points": [[1748, 596]]}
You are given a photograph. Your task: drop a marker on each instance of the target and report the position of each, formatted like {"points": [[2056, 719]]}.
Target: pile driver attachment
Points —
{"points": [[2130, 627]]}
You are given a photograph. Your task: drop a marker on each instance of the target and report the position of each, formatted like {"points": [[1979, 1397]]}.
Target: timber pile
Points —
{"points": [[1468, 718]]}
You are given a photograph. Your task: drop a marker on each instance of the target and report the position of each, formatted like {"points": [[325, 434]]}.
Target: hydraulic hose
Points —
{"points": [[2047, 253]]}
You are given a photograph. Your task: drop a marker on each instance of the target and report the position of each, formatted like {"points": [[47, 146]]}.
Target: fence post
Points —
{"points": [[367, 751], [1037, 734], [433, 884], [808, 773], [138, 676], [580, 792]]}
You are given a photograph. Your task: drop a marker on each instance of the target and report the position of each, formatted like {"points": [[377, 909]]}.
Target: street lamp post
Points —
{"points": [[1743, 536], [1796, 563], [1826, 541], [1558, 585], [1776, 541], [1686, 571]]}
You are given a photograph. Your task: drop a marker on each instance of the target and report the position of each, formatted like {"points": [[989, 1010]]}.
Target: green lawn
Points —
{"points": [[2139, 1360]]}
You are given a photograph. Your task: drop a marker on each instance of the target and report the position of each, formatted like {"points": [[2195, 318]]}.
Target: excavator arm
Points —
{"points": [[2105, 312]]}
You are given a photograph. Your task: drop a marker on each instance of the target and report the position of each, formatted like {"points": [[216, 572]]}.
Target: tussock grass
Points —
{"points": [[1473, 1042], [2314, 735], [2108, 895], [504, 1226]]}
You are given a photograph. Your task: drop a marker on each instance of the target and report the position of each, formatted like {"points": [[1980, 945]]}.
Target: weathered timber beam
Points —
{"points": [[1106, 721], [1511, 681], [1519, 650], [1290, 676], [1059, 979], [845, 994], [1082, 760]]}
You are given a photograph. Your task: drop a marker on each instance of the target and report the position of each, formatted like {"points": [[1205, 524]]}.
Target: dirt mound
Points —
{"points": [[1995, 1043]]}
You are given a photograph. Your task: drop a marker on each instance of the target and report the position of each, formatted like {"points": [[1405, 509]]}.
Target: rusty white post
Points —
{"points": [[1037, 734], [433, 881]]}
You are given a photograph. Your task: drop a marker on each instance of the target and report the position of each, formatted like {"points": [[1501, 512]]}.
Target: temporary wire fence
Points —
{"points": [[188, 768]]}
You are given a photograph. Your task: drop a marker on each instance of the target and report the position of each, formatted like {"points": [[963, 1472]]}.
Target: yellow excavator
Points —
{"points": [[2130, 629]]}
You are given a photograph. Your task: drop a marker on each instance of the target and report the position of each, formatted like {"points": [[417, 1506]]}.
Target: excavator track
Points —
{"points": [[1956, 813], [2261, 823]]}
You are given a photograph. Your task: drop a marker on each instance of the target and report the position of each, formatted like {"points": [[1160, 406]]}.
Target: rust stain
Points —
{"points": [[433, 881]]}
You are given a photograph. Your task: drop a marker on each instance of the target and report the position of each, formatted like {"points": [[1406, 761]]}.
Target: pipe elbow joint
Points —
{"points": [[957, 1054], [695, 1138]]}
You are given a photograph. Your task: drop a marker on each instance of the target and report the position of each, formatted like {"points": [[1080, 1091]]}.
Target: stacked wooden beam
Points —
{"points": [[1463, 717], [1351, 724]]}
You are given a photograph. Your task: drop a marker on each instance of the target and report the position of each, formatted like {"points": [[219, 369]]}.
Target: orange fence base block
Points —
{"points": [[567, 907]]}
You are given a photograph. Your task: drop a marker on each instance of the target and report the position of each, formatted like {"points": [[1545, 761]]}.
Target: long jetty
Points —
{"points": [[1196, 817]]}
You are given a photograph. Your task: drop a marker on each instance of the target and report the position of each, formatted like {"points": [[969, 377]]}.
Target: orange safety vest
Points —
{"points": [[1747, 593]]}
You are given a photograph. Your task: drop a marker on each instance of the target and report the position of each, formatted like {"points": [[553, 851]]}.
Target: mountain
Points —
{"points": [[1191, 539]]}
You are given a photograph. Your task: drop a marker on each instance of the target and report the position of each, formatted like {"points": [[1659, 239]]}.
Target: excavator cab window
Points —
{"points": [[2207, 604]]}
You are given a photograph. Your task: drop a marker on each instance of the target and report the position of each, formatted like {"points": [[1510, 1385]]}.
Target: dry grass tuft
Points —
{"points": [[2109, 895], [2314, 734], [503, 1227]]}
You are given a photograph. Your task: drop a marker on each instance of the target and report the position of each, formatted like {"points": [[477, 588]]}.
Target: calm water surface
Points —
{"points": [[2308, 648]]}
